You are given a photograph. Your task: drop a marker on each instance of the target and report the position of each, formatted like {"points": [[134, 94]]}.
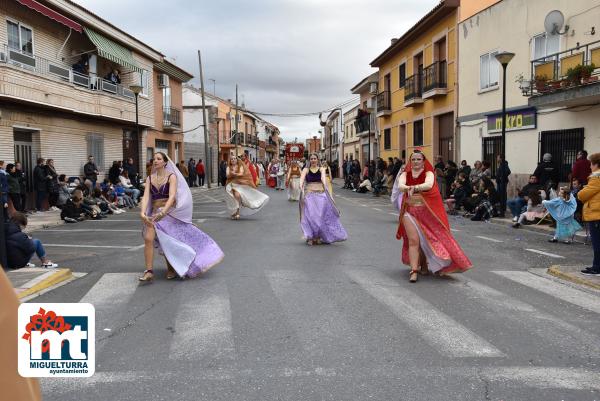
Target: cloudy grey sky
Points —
{"points": [[288, 56]]}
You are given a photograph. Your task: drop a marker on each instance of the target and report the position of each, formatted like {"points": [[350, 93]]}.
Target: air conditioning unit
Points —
{"points": [[373, 88], [371, 103], [163, 80]]}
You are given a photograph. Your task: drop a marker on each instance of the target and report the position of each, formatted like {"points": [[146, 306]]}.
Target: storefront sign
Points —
{"points": [[515, 120]]}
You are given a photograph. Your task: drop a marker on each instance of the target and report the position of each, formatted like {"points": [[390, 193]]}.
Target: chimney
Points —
{"points": [[394, 40]]}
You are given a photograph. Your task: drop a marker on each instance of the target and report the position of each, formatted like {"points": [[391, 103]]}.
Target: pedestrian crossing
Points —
{"points": [[324, 316]]}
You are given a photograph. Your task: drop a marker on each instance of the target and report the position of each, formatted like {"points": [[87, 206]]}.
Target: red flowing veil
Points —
{"points": [[432, 198]]}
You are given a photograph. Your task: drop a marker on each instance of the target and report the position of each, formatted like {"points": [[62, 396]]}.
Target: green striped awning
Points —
{"points": [[173, 71], [111, 50]]}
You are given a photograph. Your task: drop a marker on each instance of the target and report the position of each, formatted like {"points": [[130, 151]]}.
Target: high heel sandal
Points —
{"points": [[414, 275], [148, 276]]}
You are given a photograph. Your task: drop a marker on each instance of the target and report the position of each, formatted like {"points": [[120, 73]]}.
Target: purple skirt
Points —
{"points": [[320, 219], [187, 248]]}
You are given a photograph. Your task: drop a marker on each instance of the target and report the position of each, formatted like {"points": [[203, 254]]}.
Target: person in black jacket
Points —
{"points": [[40, 184], [90, 171], [502, 173], [22, 178], [22, 247], [14, 190], [52, 184], [114, 172], [72, 211], [547, 173]]}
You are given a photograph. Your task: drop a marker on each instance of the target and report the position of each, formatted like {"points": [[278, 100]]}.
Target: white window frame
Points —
{"points": [[19, 25], [145, 83], [545, 36], [491, 57]]}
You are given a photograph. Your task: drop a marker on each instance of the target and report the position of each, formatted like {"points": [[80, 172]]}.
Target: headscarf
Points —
{"points": [[182, 209]]}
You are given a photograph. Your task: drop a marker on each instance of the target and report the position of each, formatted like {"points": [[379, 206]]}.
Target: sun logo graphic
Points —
{"points": [[56, 340]]}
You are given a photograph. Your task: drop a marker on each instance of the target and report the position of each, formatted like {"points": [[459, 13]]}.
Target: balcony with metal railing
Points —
{"points": [[171, 118], [384, 104], [32, 78], [435, 79], [565, 79], [362, 123], [413, 90]]}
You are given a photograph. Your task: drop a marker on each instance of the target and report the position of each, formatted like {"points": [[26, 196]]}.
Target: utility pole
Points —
{"points": [[237, 136], [208, 163]]}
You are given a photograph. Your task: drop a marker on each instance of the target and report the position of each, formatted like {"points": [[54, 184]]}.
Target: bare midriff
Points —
{"points": [[314, 187]]}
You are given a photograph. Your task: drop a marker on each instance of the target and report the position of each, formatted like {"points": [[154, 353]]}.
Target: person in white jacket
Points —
{"points": [[129, 188]]}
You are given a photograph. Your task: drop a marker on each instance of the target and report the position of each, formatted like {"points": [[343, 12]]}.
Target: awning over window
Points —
{"points": [[173, 71], [112, 50], [42, 9]]}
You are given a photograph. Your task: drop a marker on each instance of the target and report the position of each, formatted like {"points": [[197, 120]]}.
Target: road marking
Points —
{"points": [[395, 214], [316, 320], [442, 332], [488, 238], [565, 336], [552, 255], [454, 230], [200, 220], [363, 205], [135, 248], [87, 246], [110, 296], [203, 324], [95, 230], [379, 210], [568, 294]]}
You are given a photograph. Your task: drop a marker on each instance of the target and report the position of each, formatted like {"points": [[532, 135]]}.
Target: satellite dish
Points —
{"points": [[554, 22]]}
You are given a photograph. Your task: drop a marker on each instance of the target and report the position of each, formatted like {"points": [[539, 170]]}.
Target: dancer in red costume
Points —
{"points": [[427, 243]]}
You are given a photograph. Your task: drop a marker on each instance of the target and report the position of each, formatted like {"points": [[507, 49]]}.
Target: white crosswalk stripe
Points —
{"points": [[560, 291], [203, 324], [442, 332]]}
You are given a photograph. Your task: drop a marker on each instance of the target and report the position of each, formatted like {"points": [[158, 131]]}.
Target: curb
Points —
{"points": [[44, 281], [556, 272], [532, 228]]}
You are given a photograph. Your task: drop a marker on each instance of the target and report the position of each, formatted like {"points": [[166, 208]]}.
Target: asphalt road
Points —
{"points": [[278, 320]]}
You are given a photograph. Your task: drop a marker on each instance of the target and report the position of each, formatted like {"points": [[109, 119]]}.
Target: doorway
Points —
{"points": [[131, 147], [446, 136]]}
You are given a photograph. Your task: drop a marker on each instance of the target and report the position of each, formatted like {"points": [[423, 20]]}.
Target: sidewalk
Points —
{"points": [[574, 275], [32, 280], [41, 220]]}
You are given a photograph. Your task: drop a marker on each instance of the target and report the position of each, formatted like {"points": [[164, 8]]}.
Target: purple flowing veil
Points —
{"points": [[182, 210]]}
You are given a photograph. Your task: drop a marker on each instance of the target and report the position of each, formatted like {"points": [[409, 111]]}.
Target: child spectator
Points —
{"points": [[22, 247], [72, 212], [535, 209], [562, 209], [63, 191]]}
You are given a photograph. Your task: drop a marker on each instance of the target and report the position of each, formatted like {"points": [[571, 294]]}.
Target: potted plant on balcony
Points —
{"points": [[574, 75], [586, 73], [541, 83]]}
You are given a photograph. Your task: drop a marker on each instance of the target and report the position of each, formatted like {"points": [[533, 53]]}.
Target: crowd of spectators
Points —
{"points": [[377, 176]]}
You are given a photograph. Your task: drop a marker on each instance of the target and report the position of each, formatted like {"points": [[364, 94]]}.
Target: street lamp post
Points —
{"points": [[504, 58], [137, 89]]}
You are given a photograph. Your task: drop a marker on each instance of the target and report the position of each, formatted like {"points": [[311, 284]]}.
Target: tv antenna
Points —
{"points": [[554, 22]]}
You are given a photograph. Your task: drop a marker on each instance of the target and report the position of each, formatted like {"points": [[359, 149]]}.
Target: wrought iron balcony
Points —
{"points": [[384, 104], [363, 123], [567, 78], [413, 90], [171, 118], [435, 79]]}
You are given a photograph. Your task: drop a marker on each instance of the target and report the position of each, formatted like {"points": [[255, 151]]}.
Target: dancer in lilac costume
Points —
{"points": [[167, 216], [319, 218]]}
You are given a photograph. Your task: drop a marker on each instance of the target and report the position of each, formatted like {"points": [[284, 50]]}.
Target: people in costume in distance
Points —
{"points": [[167, 217], [293, 181], [319, 217], [242, 196], [427, 243], [328, 176], [562, 209]]}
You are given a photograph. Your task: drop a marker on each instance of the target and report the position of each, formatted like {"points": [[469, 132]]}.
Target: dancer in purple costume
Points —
{"points": [[319, 218], [167, 216]]}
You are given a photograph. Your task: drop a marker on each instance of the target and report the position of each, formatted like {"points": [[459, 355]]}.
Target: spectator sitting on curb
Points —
{"points": [[517, 203], [364, 187], [63, 191], [535, 209], [475, 173], [22, 247], [562, 209], [590, 196], [72, 212], [460, 191], [130, 190], [488, 201]]}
